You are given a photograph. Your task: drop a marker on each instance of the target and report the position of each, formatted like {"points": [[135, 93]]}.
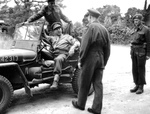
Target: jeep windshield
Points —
{"points": [[27, 36], [28, 32]]}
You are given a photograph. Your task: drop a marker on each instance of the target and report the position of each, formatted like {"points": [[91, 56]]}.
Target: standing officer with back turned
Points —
{"points": [[94, 54]]}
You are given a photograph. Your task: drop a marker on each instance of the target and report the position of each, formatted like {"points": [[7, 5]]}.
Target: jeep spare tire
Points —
{"points": [[75, 82], [6, 93]]}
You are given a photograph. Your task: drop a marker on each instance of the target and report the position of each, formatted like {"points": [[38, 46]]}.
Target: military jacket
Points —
{"points": [[95, 39], [64, 42], [141, 36], [51, 14]]}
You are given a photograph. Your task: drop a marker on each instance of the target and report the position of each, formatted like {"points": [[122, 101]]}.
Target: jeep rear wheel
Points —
{"points": [[75, 84], [6, 93]]}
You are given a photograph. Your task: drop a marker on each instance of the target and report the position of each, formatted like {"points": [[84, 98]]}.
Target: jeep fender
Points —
{"points": [[15, 67]]}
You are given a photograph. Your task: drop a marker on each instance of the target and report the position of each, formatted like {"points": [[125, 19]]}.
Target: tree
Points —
{"points": [[4, 2], [21, 11], [146, 14], [77, 29], [112, 11], [129, 15], [107, 21]]}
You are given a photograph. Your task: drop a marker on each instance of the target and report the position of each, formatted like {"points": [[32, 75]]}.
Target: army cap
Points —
{"points": [[138, 16], [94, 12], [56, 25], [50, 0]]}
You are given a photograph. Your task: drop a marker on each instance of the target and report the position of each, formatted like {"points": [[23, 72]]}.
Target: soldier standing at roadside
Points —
{"points": [[140, 52]]}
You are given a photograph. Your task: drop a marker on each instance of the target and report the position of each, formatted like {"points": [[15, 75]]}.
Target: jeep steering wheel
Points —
{"points": [[45, 45]]}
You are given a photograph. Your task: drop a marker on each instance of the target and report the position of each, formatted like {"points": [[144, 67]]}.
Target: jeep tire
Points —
{"points": [[75, 83], [6, 93]]}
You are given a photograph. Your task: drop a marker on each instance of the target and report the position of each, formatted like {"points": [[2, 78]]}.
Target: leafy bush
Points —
{"points": [[120, 35], [5, 41]]}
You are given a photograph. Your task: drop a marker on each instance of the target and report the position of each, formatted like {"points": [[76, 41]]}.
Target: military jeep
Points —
{"points": [[24, 65]]}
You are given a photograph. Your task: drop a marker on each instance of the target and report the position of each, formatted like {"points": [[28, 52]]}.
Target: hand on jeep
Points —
{"points": [[26, 22], [147, 57], [71, 51], [79, 65]]}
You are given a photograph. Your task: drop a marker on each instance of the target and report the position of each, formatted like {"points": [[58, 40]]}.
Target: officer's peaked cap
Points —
{"points": [[56, 25], [94, 12], [138, 16], [50, 0]]}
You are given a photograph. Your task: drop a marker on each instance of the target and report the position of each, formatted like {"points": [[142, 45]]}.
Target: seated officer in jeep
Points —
{"points": [[63, 46]]}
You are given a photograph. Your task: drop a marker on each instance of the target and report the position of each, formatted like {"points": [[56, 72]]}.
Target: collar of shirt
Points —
{"points": [[139, 28], [57, 38]]}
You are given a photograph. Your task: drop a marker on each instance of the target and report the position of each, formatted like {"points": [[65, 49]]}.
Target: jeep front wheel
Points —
{"points": [[75, 84], [6, 93]]}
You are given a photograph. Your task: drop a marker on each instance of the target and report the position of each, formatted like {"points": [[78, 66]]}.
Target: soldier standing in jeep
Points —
{"points": [[51, 12]]}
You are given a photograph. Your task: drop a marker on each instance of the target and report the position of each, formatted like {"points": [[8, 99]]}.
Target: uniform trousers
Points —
{"points": [[59, 60], [91, 73], [138, 57]]}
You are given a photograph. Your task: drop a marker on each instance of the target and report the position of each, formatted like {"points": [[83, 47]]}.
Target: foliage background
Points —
{"points": [[119, 26]]}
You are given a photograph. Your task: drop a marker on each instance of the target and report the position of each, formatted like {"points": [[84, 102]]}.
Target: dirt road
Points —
{"points": [[117, 82]]}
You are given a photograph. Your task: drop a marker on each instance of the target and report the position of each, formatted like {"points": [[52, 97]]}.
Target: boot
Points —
{"points": [[54, 85], [134, 89], [55, 82], [140, 90]]}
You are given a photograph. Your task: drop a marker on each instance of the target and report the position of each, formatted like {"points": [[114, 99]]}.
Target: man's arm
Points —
{"points": [[37, 16], [75, 45], [147, 35], [85, 44], [107, 50]]}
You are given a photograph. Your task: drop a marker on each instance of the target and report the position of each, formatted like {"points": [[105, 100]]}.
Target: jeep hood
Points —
{"points": [[16, 55]]}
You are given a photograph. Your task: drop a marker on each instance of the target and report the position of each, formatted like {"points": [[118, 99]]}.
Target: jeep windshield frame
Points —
{"points": [[28, 36]]}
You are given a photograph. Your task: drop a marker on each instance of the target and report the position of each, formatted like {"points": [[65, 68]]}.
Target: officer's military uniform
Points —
{"points": [[140, 48], [62, 44], [94, 53], [51, 13]]}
